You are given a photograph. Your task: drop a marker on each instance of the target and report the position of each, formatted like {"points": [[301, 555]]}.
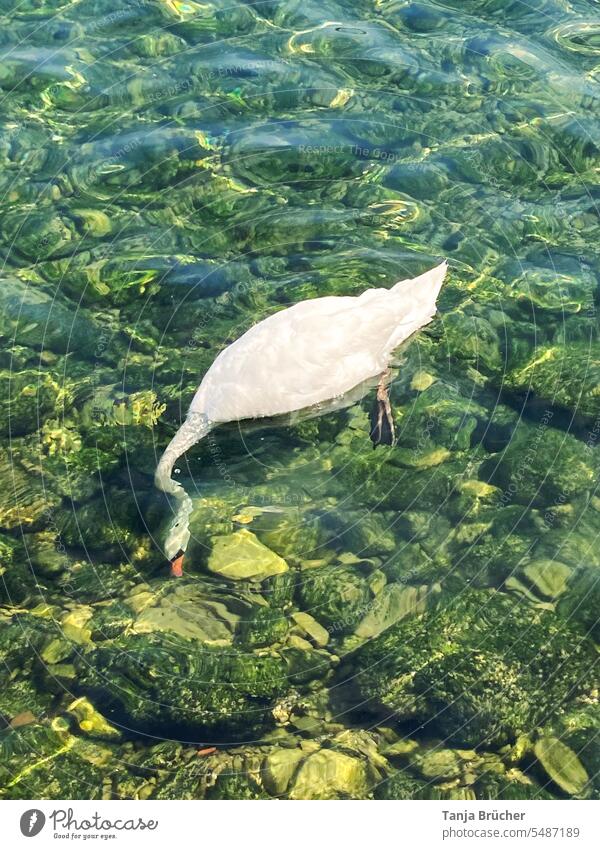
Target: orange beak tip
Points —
{"points": [[177, 566]]}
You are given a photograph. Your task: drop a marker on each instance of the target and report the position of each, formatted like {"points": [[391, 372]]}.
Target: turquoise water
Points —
{"points": [[409, 622]]}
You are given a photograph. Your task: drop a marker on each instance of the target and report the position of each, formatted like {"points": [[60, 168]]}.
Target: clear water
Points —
{"points": [[173, 172]]}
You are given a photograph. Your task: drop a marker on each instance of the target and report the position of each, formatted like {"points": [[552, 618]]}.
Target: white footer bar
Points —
{"points": [[301, 825]]}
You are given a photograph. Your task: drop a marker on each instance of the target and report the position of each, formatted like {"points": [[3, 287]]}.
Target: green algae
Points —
{"points": [[487, 683], [562, 765]]}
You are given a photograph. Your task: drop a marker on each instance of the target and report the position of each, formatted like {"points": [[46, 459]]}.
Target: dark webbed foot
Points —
{"points": [[382, 422]]}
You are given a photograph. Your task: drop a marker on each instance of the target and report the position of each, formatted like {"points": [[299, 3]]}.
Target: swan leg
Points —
{"points": [[382, 421]]}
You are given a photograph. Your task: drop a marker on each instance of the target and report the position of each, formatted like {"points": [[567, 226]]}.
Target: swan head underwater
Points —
{"points": [[305, 355]]}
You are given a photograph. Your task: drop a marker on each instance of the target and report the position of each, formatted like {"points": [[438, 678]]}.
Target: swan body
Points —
{"points": [[299, 357]]}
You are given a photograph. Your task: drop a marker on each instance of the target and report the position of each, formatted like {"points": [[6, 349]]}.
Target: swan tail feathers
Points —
{"points": [[426, 287]]}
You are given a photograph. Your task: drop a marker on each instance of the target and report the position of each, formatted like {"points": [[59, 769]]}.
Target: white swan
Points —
{"points": [[305, 355]]}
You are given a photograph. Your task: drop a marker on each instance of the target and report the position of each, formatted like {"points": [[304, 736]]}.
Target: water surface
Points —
{"points": [[415, 622]]}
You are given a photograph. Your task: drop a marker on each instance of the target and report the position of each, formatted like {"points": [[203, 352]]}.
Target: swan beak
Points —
{"points": [[177, 565]]}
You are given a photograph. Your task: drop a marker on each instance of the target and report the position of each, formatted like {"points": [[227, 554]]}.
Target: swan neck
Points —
{"points": [[193, 429]]}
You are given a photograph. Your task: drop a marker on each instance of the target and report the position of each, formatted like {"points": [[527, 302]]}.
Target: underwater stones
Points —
{"points": [[393, 603], [44, 554], [547, 289], [439, 764], [241, 556], [108, 523], [549, 577], [422, 180], [109, 620], [440, 416], [43, 762], [39, 320], [367, 534], [579, 729], [423, 459], [190, 612], [279, 767], [262, 627], [472, 338], [31, 397], [310, 626], [329, 774], [434, 772], [17, 582], [235, 785], [541, 466], [421, 380], [562, 765], [293, 535], [158, 682], [304, 663], [88, 581], [57, 650], [91, 722], [279, 590], [22, 637], [110, 405], [335, 595], [565, 375], [480, 670], [401, 785], [77, 469], [75, 624], [581, 603], [521, 787], [25, 503], [38, 237], [22, 701]]}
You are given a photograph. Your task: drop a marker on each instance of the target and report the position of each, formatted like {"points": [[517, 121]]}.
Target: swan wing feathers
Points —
{"points": [[315, 350]]}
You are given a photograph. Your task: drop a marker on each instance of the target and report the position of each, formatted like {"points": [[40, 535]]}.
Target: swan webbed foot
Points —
{"points": [[382, 421], [177, 564]]}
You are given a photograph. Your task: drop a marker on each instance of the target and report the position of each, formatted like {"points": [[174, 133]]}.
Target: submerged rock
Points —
{"points": [[336, 596], [477, 671], [564, 376], [394, 603], [562, 765], [41, 763], [541, 466], [241, 556], [329, 774], [278, 769], [91, 722], [192, 612], [163, 683]]}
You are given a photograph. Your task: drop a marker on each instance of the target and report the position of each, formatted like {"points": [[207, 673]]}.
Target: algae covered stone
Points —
{"points": [[563, 375], [479, 670], [41, 763], [164, 682], [328, 774], [542, 465], [336, 596], [192, 612], [279, 767], [394, 603], [241, 556], [562, 765]]}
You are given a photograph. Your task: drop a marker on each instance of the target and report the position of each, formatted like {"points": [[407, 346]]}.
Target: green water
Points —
{"points": [[420, 621]]}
